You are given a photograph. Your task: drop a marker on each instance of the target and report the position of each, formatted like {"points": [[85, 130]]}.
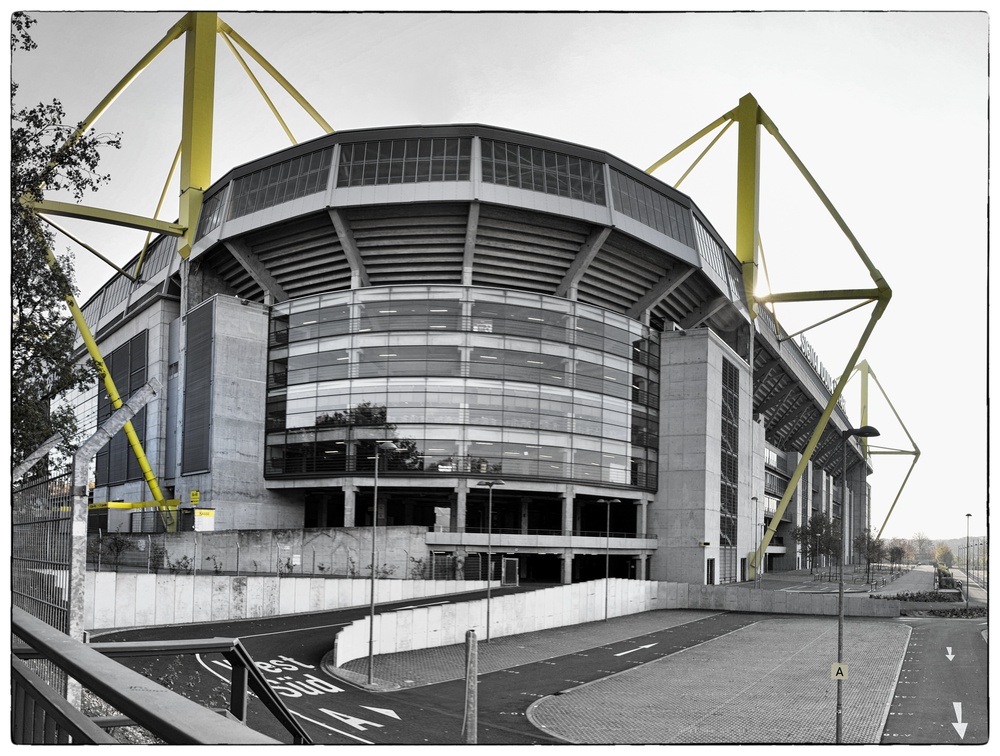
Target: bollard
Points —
{"points": [[471, 687]]}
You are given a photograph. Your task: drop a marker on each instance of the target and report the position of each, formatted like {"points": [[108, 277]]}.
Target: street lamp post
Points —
{"points": [[607, 549], [756, 548], [865, 431], [489, 547], [968, 519], [385, 446]]}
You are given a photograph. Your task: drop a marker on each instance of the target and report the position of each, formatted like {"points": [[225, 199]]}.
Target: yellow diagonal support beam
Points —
{"points": [[95, 354], [260, 88], [820, 427], [867, 374], [102, 215], [273, 72], [175, 32], [87, 247], [751, 119], [159, 206]]}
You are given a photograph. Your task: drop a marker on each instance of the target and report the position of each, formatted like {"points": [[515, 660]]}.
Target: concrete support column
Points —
{"points": [[640, 567], [350, 496], [524, 515], [567, 567], [643, 514], [458, 509], [567, 512]]}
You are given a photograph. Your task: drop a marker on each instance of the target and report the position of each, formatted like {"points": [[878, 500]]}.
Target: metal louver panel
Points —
{"points": [[198, 389]]}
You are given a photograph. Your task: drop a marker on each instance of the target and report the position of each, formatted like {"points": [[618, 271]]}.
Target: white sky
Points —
{"points": [[888, 111]]}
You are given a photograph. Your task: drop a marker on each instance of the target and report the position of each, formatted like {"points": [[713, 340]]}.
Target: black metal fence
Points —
{"points": [[41, 547]]}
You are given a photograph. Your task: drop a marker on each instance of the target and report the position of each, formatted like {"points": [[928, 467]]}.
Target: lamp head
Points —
{"points": [[865, 431]]}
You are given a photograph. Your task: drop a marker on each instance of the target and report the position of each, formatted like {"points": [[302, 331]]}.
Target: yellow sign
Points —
{"points": [[838, 671], [204, 513], [165, 504], [195, 498]]}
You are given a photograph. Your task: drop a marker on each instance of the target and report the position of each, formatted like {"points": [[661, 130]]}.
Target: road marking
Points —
{"points": [[419, 606], [356, 722], [637, 648], [959, 725], [333, 729], [949, 656], [295, 630], [386, 712]]}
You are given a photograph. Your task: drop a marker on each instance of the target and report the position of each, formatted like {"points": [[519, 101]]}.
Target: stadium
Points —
{"points": [[547, 352]]}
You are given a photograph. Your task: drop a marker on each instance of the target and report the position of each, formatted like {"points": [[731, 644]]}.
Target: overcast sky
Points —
{"points": [[888, 111]]}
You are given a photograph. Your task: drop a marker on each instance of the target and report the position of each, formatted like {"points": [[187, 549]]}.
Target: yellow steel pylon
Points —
{"points": [[750, 118], [199, 28], [864, 370]]}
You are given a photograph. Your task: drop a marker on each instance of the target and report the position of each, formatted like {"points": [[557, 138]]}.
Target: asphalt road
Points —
{"points": [[289, 651], [941, 695]]}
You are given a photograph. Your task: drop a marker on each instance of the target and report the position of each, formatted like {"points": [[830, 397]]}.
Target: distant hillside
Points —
{"points": [[957, 546]]}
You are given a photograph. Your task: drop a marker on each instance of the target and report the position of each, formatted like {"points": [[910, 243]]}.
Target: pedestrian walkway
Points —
{"points": [[920, 578], [767, 683]]}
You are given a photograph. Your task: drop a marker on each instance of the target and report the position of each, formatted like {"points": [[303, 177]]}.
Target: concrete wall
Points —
{"points": [[120, 600], [335, 551], [686, 508], [512, 614]]}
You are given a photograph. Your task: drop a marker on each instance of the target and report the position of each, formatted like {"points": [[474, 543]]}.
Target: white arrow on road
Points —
{"points": [[959, 725], [949, 655], [637, 648], [386, 712]]}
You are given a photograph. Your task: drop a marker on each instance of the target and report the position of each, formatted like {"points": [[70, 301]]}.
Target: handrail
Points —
{"points": [[39, 714], [481, 530], [168, 715], [239, 659]]}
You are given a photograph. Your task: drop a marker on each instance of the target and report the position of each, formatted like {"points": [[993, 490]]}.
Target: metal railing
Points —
{"points": [[41, 715], [541, 531]]}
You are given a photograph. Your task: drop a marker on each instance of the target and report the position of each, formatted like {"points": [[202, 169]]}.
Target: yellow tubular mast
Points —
{"points": [[95, 355], [866, 372], [750, 118], [200, 29]]}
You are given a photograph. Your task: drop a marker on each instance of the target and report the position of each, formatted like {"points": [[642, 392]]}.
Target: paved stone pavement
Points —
{"points": [[767, 683]]}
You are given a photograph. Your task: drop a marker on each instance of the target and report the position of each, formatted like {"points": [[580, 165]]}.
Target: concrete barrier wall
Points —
{"points": [[512, 614], [120, 600]]}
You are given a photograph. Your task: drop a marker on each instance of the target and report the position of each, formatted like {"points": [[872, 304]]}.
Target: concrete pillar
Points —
{"points": [[458, 508], [524, 515], [641, 522], [350, 494], [567, 512], [567, 567], [640, 567]]}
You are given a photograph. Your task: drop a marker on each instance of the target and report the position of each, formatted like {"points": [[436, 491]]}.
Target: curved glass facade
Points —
{"points": [[467, 380]]}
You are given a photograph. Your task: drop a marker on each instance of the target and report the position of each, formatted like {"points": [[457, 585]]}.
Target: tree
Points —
{"points": [[898, 551], [43, 158], [818, 538], [871, 548], [896, 554], [943, 555], [921, 546]]}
